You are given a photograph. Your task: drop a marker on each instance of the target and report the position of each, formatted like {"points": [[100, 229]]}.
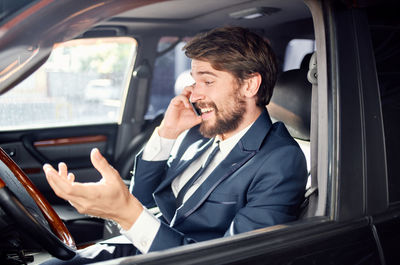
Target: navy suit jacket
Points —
{"points": [[260, 183]]}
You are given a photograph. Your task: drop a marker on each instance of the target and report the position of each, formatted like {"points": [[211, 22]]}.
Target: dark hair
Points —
{"points": [[239, 52]]}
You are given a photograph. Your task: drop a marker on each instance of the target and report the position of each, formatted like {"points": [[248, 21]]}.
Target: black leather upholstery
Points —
{"points": [[291, 101]]}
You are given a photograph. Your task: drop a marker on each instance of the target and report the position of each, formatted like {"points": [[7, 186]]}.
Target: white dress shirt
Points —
{"points": [[144, 230]]}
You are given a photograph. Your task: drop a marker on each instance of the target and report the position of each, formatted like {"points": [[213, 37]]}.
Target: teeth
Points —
{"points": [[206, 110]]}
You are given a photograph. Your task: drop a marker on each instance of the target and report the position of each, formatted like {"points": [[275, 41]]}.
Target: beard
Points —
{"points": [[227, 119]]}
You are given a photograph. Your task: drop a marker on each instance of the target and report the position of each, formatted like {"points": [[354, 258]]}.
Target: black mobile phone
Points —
{"points": [[195, 109]]}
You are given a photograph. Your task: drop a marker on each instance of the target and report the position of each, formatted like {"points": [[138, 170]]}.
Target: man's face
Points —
{"points": [[217, 94]]}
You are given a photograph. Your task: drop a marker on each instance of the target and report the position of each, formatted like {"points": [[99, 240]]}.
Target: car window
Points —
{"points": [[384, 27], [82, 82], [171, 74]]}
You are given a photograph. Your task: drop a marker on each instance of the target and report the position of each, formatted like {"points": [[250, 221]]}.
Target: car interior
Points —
{"points": [[159, 29]]}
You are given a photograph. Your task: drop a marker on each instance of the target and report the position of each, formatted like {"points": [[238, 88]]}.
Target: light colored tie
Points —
{"points": [[192, 180]]}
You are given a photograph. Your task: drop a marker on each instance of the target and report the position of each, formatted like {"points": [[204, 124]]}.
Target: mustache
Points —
{"points": [[203, 105]]}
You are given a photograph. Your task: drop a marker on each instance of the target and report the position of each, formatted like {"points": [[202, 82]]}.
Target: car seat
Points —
{"points": [[291, 104]]}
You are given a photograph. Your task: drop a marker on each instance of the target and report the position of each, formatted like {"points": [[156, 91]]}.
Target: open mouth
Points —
{"points": [[206, 113], [206, 110]]}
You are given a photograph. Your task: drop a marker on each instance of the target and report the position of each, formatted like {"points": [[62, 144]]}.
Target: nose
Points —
{"points": [[196, 93]]}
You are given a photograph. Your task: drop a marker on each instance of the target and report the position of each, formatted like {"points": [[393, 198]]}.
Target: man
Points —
{"points": [[227, 171]]}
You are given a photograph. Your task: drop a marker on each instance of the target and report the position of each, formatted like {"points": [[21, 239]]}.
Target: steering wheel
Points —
{"points": [[24, 204]]}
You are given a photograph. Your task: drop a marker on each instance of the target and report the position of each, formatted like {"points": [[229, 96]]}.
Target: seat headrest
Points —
{"points": [[291, 101]]}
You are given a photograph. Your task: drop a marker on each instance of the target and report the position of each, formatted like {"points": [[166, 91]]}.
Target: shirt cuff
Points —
{"points": [[157, 148], [143, 231]]}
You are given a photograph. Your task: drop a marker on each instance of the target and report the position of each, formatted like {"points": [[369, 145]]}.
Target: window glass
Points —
{"points": [[385, 33], [171, 74], [296, 50], [82, 82]]}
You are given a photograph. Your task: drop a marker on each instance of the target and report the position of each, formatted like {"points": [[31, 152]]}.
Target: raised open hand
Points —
{"points": [[108, 198]]}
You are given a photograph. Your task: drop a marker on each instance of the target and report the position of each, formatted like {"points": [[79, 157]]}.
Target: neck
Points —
{"points": [[250, 116]]}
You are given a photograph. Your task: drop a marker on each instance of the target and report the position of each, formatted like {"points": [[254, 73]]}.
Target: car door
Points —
{"points": [[351, 168], [67, 107], [385, 35]]}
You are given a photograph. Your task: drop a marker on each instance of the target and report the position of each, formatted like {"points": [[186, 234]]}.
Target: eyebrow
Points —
{"points": [[204, 73]]}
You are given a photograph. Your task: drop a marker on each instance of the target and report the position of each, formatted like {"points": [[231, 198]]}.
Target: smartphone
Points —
{"points": [[195, 109]]}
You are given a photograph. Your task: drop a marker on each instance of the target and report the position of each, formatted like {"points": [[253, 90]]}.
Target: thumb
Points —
{"points": [[101, 164]]}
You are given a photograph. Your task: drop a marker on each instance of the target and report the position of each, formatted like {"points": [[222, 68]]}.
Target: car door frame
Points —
{"points": [[350, 136]]}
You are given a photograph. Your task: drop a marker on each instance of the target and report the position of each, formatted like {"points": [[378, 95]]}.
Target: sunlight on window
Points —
{"points": [[83, 82], [170, 74]]}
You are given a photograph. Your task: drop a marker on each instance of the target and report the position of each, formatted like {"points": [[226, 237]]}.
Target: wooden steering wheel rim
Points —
{"points": [[56, 224]]}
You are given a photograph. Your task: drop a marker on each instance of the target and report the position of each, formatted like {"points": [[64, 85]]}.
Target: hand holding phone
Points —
{"points": [[177, 118]]}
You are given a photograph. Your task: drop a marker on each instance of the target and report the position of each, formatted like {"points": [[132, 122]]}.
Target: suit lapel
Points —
{"points": [[191, 154], [220, 173], [163, 195], [244, 150]]}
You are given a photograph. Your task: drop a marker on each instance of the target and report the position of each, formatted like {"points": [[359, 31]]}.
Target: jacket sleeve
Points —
{"points": [[168, 237], [147, 176], [273, 197]]}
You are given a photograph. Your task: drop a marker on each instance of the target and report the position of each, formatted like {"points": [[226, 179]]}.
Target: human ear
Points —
{"points": [[252, 84]]}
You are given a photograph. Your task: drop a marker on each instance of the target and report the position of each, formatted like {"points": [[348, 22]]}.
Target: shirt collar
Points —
{"points": [[227, 145]]}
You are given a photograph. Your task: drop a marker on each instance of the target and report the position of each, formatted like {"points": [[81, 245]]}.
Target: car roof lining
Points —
{"points": [[207, 14]]}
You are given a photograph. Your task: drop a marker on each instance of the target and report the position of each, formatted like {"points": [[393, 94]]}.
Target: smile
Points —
{"points": [[206, 110]]}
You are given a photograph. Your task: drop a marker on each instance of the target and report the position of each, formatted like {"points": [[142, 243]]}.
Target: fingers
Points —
{"points": [[181, 99], [101, 164], [56, 181], [47, 167], [62, 169], [71, 177], [64, 187], [192, 93], [188, 90], [61, 183]]}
